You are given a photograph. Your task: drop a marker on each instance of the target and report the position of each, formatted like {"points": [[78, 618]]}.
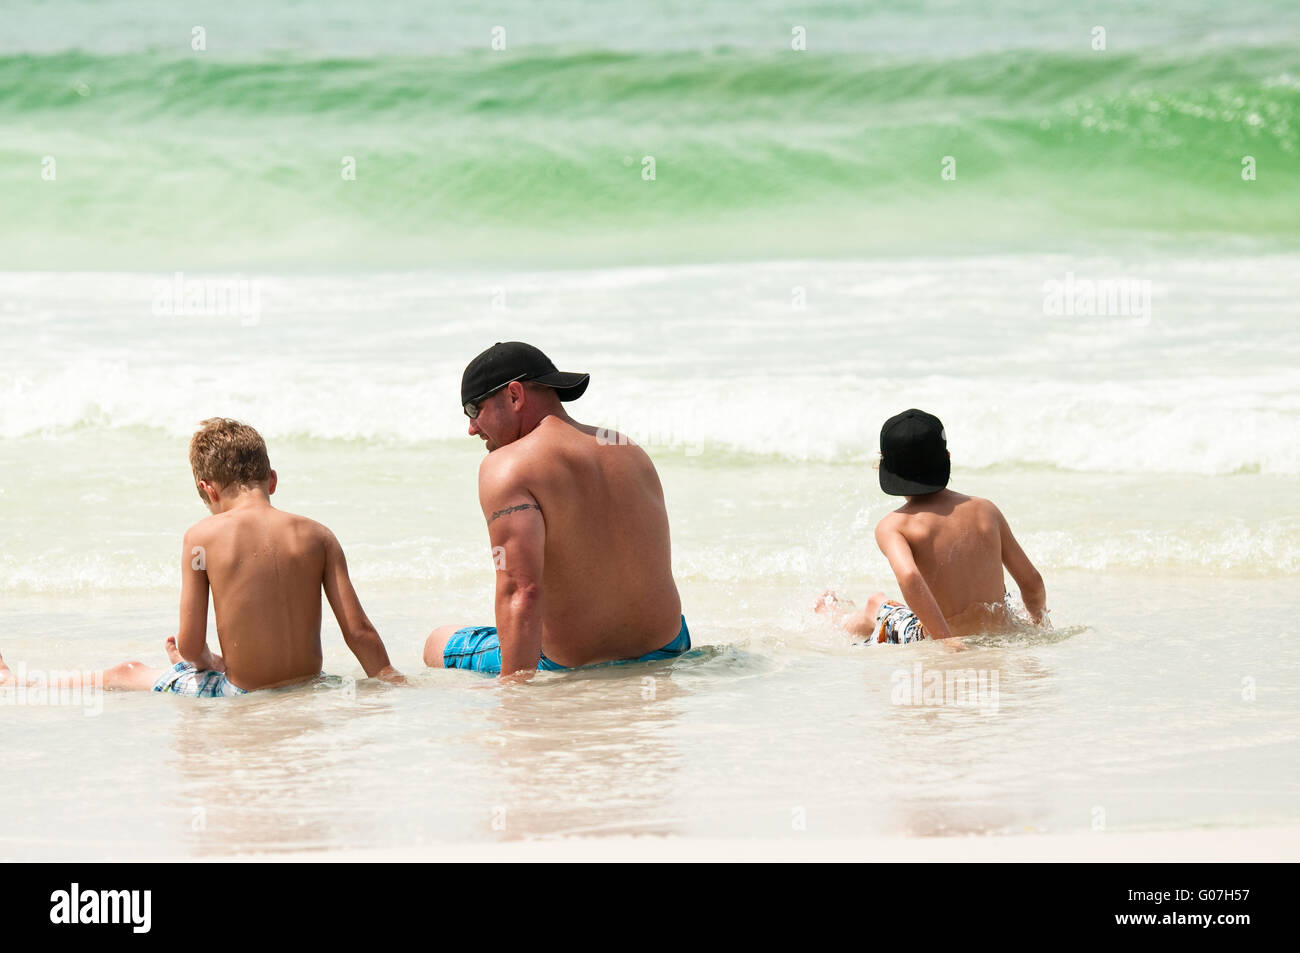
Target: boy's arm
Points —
{"points": [[1032, 591], [916, 591], [517, 532], [358, 633], [192, 635]]}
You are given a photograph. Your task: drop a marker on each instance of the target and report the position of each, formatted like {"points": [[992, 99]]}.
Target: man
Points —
{"points": [[578, 527]]}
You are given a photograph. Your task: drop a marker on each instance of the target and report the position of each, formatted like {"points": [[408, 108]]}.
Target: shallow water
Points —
{"points": [[1165, 698], [761, 730]]}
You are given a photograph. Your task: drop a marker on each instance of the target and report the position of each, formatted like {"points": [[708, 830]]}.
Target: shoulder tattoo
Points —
{"points": [[513, 509]]}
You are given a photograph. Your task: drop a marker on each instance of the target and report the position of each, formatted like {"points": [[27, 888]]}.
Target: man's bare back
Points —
{"points": [[607, 578]]}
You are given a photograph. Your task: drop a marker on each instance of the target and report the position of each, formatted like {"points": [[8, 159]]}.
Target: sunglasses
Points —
{"points": [[472, 407]]}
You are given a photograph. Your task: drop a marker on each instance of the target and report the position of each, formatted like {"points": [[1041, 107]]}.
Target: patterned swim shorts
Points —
{"points": [[183, 679], [897, 623]]}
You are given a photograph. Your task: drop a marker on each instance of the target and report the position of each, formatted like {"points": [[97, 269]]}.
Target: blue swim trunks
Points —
{"points": [[183, 679], [477, 648]]}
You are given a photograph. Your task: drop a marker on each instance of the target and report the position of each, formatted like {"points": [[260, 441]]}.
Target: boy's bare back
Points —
{"points": [[956, 543], [265, 569]]}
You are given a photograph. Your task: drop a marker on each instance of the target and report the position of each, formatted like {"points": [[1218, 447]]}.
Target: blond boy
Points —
{"points": [[265, 569]]}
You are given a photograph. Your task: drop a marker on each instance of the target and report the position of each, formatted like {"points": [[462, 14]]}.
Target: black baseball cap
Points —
{"points": [[502, 364], [913, 454]]}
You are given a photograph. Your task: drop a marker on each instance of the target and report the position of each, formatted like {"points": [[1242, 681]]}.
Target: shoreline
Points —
{"points": [[1258, 845]]}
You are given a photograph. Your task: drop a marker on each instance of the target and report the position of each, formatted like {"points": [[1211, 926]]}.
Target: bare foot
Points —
{"points": [[173, 653], [829, 602], [6, 673], [838, 611]]}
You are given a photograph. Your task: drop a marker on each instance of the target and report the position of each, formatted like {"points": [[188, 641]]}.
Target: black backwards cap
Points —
{"points": [[502, 364], [913, 454]]}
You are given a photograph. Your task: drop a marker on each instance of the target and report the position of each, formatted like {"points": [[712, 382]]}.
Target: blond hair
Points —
{"points": [[226, 453]]}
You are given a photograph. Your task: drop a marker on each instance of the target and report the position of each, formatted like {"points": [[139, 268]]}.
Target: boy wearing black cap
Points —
{"points": [[947, 550]]}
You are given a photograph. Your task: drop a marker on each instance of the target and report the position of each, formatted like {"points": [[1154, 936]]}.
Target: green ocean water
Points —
{"points": [[579, 155]]}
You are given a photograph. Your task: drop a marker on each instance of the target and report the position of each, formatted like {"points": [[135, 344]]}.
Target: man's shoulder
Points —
{"points": [[518, 462], [506, 464]]}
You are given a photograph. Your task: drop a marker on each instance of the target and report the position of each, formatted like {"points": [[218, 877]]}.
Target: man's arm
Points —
{"points": [[192, 635], [1032, 591], [358, 633], [915, 590], [517, 531]]}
